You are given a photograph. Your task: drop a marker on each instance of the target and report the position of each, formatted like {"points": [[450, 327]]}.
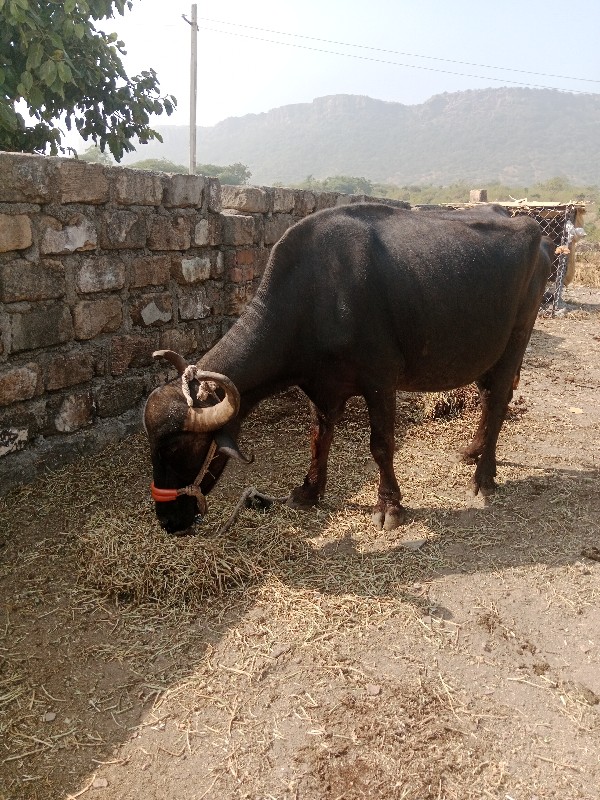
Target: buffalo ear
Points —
{"points": [[227, 445]]}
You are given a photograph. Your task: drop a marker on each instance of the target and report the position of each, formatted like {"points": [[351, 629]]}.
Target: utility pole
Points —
{"points": [[193, 84]]}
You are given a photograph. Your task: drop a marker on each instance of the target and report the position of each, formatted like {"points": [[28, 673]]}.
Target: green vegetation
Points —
{"points": [[158, 165], [346, 184], [557, 189], [54, 62], [93, 155], [232, 174]]}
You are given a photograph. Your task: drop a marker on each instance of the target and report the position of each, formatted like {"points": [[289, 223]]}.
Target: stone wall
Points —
{"points": [[99, 266]]}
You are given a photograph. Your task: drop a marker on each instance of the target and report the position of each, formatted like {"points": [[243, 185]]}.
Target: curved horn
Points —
{"points": [[173, 358], [211, 418]]}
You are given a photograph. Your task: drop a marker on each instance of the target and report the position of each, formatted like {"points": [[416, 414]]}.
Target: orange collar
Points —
{"points": [[167, 495]]}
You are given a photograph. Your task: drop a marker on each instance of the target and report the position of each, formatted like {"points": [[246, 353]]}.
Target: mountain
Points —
{"points": [[516, 136]]}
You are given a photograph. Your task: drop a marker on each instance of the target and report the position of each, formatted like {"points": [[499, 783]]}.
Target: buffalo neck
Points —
{"points": [[255, 354]]}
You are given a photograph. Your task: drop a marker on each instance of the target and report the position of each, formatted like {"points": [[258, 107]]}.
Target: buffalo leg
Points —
{"points": [[322, 429], [495, 393], [388, 513]]}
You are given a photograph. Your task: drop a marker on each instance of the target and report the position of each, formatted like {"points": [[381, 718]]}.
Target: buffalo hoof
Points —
{"points": [[468, 456], [485, 486], [299, 498], [388, 520]]}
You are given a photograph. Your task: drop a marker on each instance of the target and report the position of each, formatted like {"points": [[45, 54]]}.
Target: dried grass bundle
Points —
{"points": [[450, 404], [127, 557]]}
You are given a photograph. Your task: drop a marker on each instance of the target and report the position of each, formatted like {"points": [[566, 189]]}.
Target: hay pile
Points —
{"points": [[450, 404], [127, 557], [587, 268]]}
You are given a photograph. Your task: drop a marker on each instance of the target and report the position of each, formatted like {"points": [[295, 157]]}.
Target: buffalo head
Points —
{"points": [[189, 444]]}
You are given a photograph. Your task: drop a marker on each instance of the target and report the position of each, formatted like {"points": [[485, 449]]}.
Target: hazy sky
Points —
{"points": [[241, 72]]}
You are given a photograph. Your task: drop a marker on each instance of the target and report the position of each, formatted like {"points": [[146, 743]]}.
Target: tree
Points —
{"points": [[233, 174], [55, 62], [158, 165], [93, 155], [347, 184]]}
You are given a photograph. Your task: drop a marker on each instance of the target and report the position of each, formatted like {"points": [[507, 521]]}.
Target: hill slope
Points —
{"points": [[518, 136]]}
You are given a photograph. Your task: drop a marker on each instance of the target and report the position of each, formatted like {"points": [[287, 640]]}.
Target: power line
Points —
{"points": [[391, 52]]}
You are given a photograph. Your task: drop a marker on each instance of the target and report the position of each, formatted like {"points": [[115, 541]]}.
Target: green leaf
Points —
{"points": [[35, 55], [64, 72], [26, 80], [48, 72], [8, 118]]}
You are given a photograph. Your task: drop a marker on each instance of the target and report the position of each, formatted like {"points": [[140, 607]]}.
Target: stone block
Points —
{"points": [[81, 182], [236, 300], [304, 202], [238, 229], [31, 281], [152, 309], [194, 304], [283, 200], [276, 226], [135, 187], [130, 352], [181, 340], [262, 261], [213, 194], [67, 370], [184, 191], [150, 271], [29, 415], [209, 333], [18, 383], [169, 233], [15, 232], [100, 275], [76, 411], [325, 200], [218, 266], [193, 270], [117, 397], [215, 297], [241, 265], [41, 326], [79, 234], [25, 178], [123, 230], [12, 440], [94, 317], [478, 196], [248, 199], [208, 231]]}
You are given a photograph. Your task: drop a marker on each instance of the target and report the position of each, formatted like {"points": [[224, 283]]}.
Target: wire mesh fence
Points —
{"points": [[558, 223]]}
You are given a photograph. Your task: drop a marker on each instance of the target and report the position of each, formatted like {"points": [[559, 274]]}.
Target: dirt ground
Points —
{"points": [[458, 657]]}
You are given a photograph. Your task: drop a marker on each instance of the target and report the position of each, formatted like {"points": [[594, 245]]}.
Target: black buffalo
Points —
{"points": [[364, 300]]}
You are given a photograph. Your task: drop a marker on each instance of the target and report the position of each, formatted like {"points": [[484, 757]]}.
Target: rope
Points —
{"points": [[206, 389]]}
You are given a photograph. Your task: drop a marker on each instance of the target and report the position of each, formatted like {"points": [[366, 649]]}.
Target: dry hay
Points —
{"points": [[451, 403], [131, 559], [417, 746], [587, 269]]}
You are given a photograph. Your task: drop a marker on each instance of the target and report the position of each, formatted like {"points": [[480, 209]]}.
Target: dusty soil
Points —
{"points": [[455, 658]]}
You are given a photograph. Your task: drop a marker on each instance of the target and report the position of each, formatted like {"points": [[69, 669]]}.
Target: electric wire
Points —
{"points": [[394, 52]]}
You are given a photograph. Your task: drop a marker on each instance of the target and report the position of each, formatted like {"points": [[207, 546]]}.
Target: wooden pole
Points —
{"points": [[193, 87]]}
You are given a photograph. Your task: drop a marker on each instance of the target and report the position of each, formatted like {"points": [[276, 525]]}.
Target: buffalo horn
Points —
{"points": [[173, 358], [211, 418]]}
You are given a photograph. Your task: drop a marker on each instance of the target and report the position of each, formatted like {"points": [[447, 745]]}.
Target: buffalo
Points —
{"points": [[364, 299]]}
